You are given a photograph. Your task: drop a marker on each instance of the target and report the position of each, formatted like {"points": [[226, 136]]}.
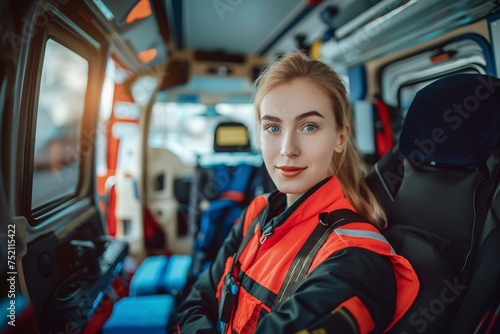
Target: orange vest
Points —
{"points": [[268, 263]]}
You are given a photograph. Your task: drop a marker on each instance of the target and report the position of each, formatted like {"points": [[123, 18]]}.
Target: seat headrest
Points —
{"points": [[231, 137], [454, 120]]}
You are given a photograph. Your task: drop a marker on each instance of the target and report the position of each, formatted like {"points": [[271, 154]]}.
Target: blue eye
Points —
{"points": [[272, 128], [310, 127]]}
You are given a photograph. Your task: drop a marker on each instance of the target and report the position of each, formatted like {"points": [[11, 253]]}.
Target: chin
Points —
{"points": [[290, 187]]}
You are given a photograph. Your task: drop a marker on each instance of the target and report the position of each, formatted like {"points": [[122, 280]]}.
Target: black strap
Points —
{"points": [[257, 290], [302, 262]]}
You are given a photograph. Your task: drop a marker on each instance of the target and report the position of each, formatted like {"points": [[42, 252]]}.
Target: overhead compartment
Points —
{"points": [[393, 25]]}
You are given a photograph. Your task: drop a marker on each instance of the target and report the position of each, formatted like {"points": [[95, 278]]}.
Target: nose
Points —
{"points": [[290, 146]]}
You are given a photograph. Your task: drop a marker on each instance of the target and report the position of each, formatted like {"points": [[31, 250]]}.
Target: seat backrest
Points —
{"points": [[436, 188], [478, 311], [224, 184], [213, 172]]}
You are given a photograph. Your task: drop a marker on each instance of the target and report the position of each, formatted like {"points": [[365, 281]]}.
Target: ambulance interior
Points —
{"points": [[123, 123]]}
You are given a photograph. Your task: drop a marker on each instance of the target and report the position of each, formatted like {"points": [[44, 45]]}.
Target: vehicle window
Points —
{"points": [[402, 79], [59, 122], [407, 93], [244, 113], [187, 129]]}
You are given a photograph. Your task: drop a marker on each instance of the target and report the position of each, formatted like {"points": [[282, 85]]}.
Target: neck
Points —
{"points": [[292, 198]]}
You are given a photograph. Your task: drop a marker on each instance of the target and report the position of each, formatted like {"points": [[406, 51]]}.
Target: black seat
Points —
{"points": [[480, 306], [437, 189]]}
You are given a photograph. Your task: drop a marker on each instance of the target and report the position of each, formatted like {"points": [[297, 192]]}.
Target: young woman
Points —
{"points": [[303, 258]]}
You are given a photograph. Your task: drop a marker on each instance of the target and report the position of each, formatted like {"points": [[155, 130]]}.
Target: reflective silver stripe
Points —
{"points": [[364, 234]]}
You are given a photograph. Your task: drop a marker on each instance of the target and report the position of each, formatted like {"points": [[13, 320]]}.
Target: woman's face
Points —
{"points": [[298, 136]]}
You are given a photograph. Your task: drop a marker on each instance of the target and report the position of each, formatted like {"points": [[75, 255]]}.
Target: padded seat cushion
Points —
{"points": [[431, 256], [143, 314], [160, 274]]}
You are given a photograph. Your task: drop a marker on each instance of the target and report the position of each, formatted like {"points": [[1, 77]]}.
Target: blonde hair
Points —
{"points": [[347, 166]]}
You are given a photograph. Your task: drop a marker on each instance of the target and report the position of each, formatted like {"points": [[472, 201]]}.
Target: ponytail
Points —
{"points": [[351, 172]]}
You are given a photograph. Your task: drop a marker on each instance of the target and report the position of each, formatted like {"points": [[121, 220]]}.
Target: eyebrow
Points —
{"points": [[308, 114], [298, 118]]}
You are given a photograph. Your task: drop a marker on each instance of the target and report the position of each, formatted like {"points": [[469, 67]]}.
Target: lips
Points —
{"points": [[290, 171]]}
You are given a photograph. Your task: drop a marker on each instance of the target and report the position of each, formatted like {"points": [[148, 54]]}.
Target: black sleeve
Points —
{"points": [[347, 273], [198, 312]]}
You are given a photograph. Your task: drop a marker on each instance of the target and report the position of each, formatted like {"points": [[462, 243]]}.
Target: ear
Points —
{"points": [[342, 138]]}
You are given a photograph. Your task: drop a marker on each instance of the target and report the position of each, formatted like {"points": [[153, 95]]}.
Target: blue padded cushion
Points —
{"points": [[160, 274], [454, 120], [144, 314]]}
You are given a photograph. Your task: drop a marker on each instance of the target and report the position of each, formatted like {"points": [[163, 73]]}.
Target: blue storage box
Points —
{"points": [[160, 275], [144, 314]]}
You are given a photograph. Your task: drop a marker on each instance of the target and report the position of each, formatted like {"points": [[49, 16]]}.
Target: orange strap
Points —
{"points": [[360, 313]]}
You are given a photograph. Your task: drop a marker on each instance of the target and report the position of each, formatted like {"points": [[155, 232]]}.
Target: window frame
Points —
{"points": [[473, 55], [66, 32]]}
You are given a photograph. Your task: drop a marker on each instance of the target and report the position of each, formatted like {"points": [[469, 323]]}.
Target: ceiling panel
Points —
{"points": [[236, 26]]}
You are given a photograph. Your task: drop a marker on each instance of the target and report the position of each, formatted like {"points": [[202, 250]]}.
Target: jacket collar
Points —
{"points": [[312, 202]]}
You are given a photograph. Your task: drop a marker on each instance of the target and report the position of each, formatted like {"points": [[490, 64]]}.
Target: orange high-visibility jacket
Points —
{"points": [[355, 278]]}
